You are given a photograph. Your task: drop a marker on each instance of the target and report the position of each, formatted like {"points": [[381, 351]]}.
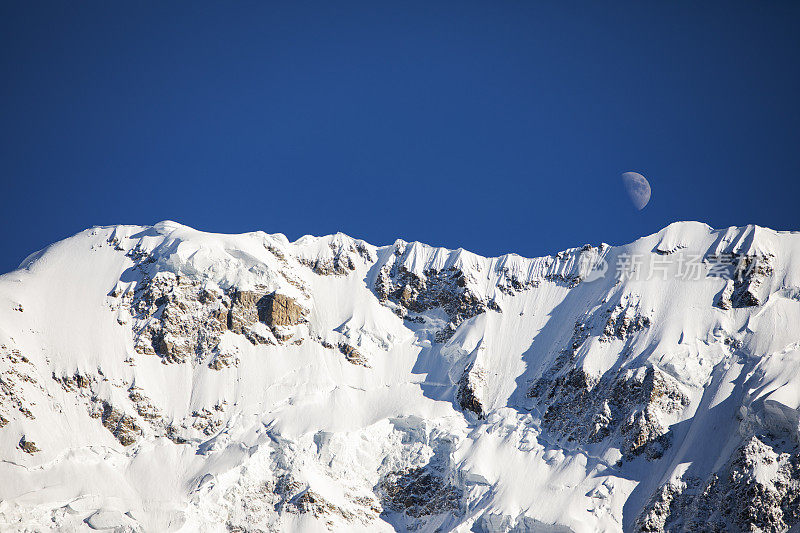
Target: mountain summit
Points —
{"points": [[159, 378]]}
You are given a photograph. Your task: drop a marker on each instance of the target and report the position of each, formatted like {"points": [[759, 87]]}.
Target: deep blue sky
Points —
{"points": [[495, 126]]}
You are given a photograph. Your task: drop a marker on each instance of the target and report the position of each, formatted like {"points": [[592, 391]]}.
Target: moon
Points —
{"points": [[638, 188]]}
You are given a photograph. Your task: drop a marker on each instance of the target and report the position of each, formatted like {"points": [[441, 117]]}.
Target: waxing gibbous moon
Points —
{"points": [[638, 188]]}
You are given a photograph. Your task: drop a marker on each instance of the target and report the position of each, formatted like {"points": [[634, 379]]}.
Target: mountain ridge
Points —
{"points": [[327, 383]]}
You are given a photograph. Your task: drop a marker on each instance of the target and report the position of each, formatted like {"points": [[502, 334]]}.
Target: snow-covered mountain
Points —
{"points": [[158, 378]]}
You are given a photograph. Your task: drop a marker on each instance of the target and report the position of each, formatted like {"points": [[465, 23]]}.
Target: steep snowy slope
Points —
{"points": [[164, 379]]}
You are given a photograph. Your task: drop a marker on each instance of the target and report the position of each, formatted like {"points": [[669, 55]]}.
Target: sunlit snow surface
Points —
{"points": [[337, 429]]}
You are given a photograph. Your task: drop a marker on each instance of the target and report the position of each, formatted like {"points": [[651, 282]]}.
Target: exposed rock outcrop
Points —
{"points": [[470, 387], [445, 289], [17, 380], [341, 260], [127, 422], [627, 406], [758, 490], [418, 492], [277, 310], [243, 312], [122, 426], [283, 494], [750, 276], [623, 321], [352, 355], [28, 446], [182, 320], [178, 318]]}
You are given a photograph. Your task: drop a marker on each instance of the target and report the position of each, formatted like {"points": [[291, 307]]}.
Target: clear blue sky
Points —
{"points": [[494, 126]]}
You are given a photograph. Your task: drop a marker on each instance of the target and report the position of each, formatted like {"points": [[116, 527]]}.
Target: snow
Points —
{"points": [[338, 428]]}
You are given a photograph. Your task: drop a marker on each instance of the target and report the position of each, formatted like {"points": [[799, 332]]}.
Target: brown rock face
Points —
{"points": [[243, 312], [279, 310], [352, 355], [122, 426], [272, 309], [28, 446]]}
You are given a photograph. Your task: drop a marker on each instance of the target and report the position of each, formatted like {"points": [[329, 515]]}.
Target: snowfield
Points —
{"points": [[159, 378]]}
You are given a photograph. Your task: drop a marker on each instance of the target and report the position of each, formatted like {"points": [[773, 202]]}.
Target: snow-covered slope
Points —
{"points": [[162, 379]]}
